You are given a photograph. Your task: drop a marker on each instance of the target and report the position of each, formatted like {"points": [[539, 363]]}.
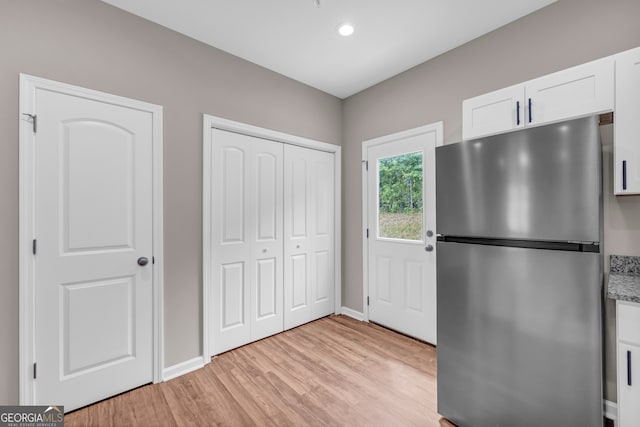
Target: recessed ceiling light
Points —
{"points": [[345, 29]]}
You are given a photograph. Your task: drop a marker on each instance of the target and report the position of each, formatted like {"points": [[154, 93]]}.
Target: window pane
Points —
{"points": [[400, 197]]}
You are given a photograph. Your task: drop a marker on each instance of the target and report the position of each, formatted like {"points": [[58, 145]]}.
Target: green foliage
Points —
{"points": [[400, 186]]}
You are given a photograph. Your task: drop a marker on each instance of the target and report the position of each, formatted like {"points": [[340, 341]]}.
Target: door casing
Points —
{"points": [[208, 123], [28, 86], [438, 129]]}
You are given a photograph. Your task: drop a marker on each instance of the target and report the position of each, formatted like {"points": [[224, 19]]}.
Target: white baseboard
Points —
{"points": [[182, 368], [611, 411], [352, 313]]}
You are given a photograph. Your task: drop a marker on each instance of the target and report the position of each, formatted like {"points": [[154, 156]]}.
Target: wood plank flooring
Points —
{"points": [[335, 371]]}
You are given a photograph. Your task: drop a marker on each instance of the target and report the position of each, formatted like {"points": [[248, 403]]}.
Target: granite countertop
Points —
{"points": [[624, 278]]}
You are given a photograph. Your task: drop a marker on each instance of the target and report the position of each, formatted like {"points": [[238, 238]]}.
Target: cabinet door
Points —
{"points": [[308, 234], [574, 92], [626, 154], [628, 385], [494, 112]]}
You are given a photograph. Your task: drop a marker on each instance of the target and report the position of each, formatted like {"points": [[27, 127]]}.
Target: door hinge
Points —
{"points": [[34, 371], [34, 121], [35, 246], [367, 233], [367, 300], [366, 164]]}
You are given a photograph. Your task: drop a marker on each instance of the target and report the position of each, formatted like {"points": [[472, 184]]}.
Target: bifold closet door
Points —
{"points": [[308, 234], [247, 238]]}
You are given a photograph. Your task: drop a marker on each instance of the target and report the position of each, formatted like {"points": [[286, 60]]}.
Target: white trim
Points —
{"points": [[28, 86], [264, 133], [182, 368], [209, 122], [436, 127], [206, 231], [611, 410], [158, 241], [353, 313]]}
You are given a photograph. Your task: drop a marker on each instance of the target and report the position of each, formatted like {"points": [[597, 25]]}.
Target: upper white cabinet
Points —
{"points": [[574, 92], [626, 154], [494, 112]]}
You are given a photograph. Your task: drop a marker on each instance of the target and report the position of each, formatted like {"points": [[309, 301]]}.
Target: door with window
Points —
{"points": [[401, 224]]}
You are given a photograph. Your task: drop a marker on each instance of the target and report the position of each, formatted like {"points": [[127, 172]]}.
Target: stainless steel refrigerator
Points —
{"points": [[519, 269]]}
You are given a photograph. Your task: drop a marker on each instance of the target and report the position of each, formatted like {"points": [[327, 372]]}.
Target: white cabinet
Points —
{"points": [[626, 154], [574, 92], [628, 349], [494, 112]]}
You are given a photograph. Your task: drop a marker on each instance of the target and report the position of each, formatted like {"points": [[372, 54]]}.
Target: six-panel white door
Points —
{"points": [[246, 230], [93, 221], [308, 234], [401, 218]]}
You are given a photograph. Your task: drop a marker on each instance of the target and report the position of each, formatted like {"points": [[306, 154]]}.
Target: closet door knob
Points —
{"points": [[142, 261]]}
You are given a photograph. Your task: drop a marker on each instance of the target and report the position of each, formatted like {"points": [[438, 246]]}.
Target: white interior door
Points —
{"points": [[247, 227], [94, 225], [401, 226], [308, 235]]}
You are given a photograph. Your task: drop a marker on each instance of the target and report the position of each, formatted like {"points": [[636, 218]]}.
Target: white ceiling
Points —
{"points": [[299, 40]]}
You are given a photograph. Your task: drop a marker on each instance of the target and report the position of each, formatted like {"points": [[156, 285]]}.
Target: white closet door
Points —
{"points": [[267, 204], [246, 238], [309, 244]]}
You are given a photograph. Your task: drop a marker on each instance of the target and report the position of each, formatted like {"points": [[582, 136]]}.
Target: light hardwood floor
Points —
{"points": [[335, 371]]}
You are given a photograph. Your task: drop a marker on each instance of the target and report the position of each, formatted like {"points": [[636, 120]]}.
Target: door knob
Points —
{"points": [[143, 261], [429, 248], [429, 233]]}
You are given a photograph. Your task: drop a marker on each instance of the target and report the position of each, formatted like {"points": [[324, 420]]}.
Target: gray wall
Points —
{"points": [[567, 33], [91, 44]]}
